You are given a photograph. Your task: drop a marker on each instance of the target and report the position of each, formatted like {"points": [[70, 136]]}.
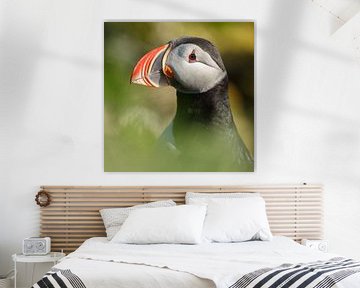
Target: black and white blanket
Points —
{"points": [[59, 278], [319, 274]]}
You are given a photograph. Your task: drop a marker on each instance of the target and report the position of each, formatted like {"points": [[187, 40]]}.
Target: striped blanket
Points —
{"points": [[319, 274], [59, 278]]}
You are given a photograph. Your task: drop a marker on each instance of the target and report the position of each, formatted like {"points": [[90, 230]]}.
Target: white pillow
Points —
{"points": [[113, 218], [204, 198], [180, 224], [236, 220]]}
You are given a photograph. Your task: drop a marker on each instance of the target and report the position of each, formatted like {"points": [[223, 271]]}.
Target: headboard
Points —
{"points": [[73, 214]]}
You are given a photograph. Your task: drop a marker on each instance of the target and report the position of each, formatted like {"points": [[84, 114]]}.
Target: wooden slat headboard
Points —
{"points": [[73, 215]]}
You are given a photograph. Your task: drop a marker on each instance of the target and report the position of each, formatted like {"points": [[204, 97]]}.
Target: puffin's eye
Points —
{"points": [[192, 57]]}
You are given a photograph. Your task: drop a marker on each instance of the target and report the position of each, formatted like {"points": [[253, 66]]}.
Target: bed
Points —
{"points": [[99, 263], [294, 211]]}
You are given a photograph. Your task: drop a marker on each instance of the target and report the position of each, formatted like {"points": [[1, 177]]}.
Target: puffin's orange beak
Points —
{"points": [[149, 70]]}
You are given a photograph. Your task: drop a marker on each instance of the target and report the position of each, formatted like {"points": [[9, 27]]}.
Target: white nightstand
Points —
{"points": [[320, 245], [53, 257]]}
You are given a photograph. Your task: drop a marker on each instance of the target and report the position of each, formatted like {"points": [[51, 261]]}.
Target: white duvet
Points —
{"points": [[100, 263]]}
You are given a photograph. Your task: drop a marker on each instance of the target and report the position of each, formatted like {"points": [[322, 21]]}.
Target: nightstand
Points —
{"points": [[53, 257], [320, 245]]}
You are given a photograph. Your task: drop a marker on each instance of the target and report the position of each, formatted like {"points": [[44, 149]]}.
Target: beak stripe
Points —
{"points": [[142, 68], [147, 69], [145, 72], [163, 60]]}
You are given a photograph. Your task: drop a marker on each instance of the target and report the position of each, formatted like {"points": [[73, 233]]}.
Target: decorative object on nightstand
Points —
{"points": [[321, 245], [53, 257], [36, 246]]}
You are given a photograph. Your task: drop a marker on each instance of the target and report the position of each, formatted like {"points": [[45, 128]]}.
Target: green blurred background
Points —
{"points": [[135, 116]]}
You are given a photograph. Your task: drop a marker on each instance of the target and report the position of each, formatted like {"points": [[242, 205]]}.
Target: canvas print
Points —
{"points": [[179, 96]]}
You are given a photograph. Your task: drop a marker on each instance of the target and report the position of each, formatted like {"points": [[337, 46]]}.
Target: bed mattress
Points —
{"points": [[99, 263]]}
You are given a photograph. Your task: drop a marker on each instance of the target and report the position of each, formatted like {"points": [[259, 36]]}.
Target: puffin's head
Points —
{"points": [[189, 64]]}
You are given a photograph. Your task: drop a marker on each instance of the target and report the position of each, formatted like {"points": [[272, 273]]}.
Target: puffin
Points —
{"points": [[203, 132]]}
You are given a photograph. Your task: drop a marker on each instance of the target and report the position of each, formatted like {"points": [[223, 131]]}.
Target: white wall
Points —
{"points": [[307, 106]]}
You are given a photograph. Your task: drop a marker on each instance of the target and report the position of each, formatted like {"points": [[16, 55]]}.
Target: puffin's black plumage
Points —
{"points": [[203, 129], [206, 120]]}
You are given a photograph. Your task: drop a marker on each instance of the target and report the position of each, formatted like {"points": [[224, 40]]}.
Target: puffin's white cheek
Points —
{"points": [[198, 77]]}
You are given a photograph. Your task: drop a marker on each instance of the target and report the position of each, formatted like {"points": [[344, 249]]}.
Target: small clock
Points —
{"points": [[36, 246]]}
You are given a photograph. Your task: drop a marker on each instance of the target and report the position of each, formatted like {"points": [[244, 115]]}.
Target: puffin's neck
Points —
{"points": [[208, 108]]}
